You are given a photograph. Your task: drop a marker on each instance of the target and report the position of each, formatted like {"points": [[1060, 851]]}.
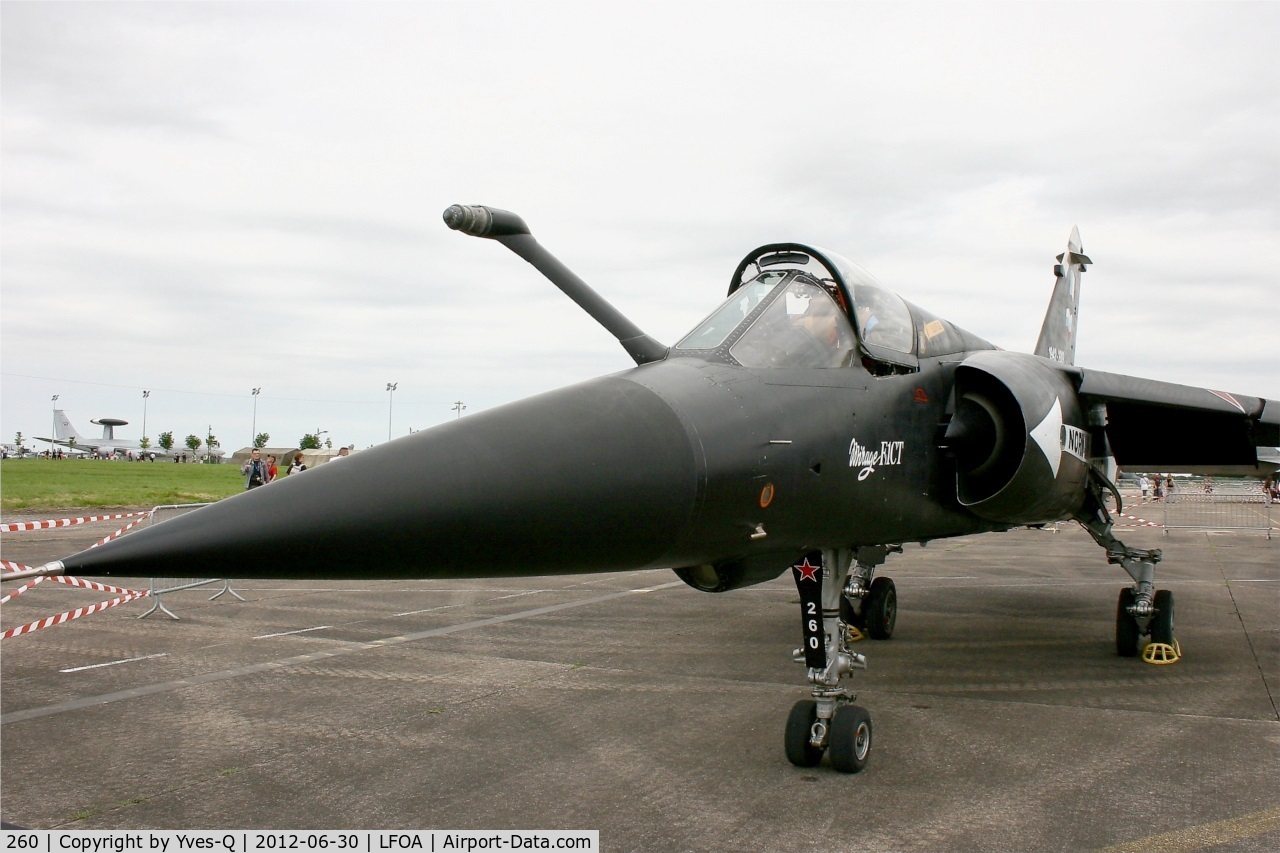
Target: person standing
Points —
{"points": [[272, 469], [255, 470]]}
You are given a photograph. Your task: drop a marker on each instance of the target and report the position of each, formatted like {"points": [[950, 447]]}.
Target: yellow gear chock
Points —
{"points": [[1162, 654]]}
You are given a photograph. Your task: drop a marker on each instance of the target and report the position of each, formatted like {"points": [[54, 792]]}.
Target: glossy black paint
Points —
{"points": [[666, 464]]}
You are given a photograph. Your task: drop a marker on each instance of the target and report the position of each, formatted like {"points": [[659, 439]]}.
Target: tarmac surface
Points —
{"points": [[632, 704]]}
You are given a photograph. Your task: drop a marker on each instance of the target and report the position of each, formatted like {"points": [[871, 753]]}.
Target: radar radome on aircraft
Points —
{"points": [[814, 422]]}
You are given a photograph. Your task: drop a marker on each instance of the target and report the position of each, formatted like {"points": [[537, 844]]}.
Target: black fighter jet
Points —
{"points": [[815, 421]]}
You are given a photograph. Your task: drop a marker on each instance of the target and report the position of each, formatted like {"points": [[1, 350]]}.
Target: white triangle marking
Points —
{"points": [[1049, 436]]}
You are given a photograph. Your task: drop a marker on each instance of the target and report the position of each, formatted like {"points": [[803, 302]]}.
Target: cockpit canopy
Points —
{"points": [[781, 319], [789, 306]]}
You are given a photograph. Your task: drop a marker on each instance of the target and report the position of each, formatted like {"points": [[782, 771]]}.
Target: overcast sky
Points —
{"points": [[203, 198]]}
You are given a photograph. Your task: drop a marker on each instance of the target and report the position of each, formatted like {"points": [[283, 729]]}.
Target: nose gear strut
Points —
{"points": [[828, 722]]}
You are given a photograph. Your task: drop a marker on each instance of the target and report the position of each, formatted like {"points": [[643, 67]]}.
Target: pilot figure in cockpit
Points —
{"points": [[818, 337], [867, 319]]}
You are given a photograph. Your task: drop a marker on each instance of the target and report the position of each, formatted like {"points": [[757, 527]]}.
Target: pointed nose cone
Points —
{"points": [[597, 476]]}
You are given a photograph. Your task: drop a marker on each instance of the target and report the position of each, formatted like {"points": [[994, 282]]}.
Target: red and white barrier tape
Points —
{"points": [[123, 530], [19, 526], [20, 590], [70, 614], [125, 595], [1142, 522], [100, 587], [9, 565]]}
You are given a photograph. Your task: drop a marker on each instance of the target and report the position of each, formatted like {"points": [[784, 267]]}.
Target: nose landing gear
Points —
{"points": [[829, 722]]}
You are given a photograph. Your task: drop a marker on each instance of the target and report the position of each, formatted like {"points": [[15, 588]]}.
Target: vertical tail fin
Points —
{"points": [[62, 428], [1058, 334]]}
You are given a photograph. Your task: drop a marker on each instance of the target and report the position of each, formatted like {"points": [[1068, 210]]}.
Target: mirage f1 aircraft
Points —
{"points": [[814, 422]]}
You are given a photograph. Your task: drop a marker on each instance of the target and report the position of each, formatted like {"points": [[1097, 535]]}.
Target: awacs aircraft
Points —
{"points": [[66, 435], [814, 422]]}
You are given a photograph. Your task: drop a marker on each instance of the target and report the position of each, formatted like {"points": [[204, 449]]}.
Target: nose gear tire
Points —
{"points": [[800, 752], [850, 742]]}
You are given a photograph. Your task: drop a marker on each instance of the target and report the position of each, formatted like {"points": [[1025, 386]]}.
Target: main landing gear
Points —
{"points": [[868, 603], [1143, 612], [838, 605]]}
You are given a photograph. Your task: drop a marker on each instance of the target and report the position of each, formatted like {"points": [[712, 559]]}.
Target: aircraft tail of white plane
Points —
{"points": [[63, 431], [1058, 334]]}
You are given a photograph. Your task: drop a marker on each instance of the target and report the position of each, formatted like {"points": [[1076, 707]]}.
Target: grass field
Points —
{"points": [[47, 484]]}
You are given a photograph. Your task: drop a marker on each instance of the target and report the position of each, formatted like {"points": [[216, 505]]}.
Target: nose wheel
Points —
{"points": [[850, 739], [846, 739], [800, 724]]}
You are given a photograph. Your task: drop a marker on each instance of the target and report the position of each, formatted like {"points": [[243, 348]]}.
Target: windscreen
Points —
{"points": [[712, 332], [802, 327]]}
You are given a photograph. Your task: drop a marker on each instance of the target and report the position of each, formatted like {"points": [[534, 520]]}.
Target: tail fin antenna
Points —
{"points": [[1058, 334]]}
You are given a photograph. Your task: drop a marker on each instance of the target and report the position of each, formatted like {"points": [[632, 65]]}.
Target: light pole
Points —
{"points": [[253, 432], [459, 407], [54, 434], [145, 395], [391, 395]]}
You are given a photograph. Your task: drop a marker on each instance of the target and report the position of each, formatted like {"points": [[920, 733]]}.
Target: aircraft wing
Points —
{"points": [[86, 446], [1160, 426]]}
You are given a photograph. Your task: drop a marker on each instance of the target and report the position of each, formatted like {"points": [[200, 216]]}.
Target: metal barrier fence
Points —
{"points": [[1204, 504], [163, 586]]}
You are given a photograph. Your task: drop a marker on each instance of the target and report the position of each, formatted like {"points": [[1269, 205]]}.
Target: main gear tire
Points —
{"points": [[880, 608], [1162, 622], [1127, 633]]}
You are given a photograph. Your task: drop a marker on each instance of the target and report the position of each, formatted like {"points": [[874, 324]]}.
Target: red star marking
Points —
{"points": [[808, 572]]}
